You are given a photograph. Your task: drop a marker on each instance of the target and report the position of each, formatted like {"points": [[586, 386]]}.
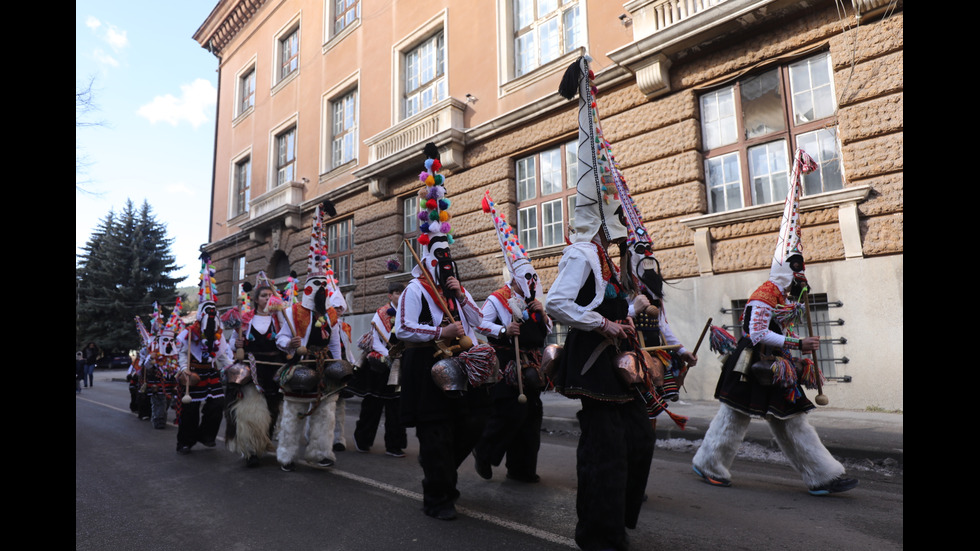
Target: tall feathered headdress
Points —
{"points": [[598, 204], [207, 291], [435, 230], [518, 264], [790, 243]]}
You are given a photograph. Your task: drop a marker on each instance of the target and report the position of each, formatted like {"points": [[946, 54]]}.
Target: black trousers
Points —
{"points": [[513, 429], [443, 446], [614, 456], [366, 429], [200, 423]]}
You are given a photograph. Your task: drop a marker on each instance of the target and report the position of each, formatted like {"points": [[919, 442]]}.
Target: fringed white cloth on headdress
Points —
{"points": [[598, 201]]}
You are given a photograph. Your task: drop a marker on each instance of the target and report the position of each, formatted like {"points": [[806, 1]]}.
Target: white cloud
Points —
{"points": [[116, 38], [193, 106], [180, 187], [103, 58], [111, 35]]}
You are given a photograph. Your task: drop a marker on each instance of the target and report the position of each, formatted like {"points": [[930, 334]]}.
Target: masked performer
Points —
{"points": [[160, 365], [447, 424], [203, 354], [616, 446], [762, 378], [312, 333], [254, 402], [516, 324], [378, 386]]}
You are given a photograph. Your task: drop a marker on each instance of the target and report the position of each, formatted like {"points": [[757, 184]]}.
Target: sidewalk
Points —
{"points": [[846, 433]]}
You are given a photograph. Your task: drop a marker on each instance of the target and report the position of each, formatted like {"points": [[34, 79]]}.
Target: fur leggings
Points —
{"points": [[796, 438], [320, 444]]}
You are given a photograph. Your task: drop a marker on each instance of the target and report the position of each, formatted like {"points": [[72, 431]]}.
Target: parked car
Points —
{"points": [[114, 361]]}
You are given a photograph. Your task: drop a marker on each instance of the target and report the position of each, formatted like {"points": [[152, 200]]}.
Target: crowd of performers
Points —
{"points": [[469, 379]]}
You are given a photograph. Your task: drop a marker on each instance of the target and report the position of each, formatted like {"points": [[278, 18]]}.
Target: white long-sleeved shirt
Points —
{"points": [[222, 360], [577, 261], [285, 335], [407, 326], [493, 312], [377, 343], [759, 331]]}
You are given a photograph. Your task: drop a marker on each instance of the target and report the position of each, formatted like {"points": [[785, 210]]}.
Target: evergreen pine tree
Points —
{"points": [[124, 268]]}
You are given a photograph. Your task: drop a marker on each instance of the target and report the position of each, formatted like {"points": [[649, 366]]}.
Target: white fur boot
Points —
{"points": [[802, 446], [721, 443], [320, 446], [290, 430]]}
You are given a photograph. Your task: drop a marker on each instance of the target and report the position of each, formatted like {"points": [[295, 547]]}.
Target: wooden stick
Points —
{"points": [[704, 331], [521, 398], [432, 283], [380, 333], [821, 399], [187, 374], [664, 347], [683, 374], [465, 343]]}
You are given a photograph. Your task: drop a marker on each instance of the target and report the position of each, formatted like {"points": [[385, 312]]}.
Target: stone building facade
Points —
{"points": [[659, 64]]}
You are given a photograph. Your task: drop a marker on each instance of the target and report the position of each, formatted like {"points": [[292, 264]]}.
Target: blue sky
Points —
{"points": [[155, 89]]}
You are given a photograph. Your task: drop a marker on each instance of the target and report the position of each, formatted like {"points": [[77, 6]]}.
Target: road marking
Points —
{"points": [[504, 523], [510, 525]]}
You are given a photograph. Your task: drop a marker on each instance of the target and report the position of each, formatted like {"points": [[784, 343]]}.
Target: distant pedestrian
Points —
{"points": [[79, 371], [90, 353]]}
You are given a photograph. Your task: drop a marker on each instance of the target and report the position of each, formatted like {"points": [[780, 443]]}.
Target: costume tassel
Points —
{"points": [[722, 342]]}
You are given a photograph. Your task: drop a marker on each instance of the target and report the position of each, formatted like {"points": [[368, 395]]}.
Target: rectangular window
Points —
{"points": [[546, 183], [288, 54], [345, 13], [751, 128], [340, 249], [425, 75], [243, 185], [247, 87], [344, 129], [286, 157], [544, 30], [410, 232]]}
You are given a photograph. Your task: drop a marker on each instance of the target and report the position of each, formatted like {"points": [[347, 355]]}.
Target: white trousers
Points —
{"points": [[797, 439]]}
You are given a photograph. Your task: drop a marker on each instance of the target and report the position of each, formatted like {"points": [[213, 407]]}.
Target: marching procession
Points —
{"points": [[469, 377]]}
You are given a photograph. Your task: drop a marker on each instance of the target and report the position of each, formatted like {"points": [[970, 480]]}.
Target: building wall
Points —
{"points": [[657, 142]]}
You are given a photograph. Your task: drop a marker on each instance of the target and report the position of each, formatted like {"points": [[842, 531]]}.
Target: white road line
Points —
{"points": [[504, 523]]}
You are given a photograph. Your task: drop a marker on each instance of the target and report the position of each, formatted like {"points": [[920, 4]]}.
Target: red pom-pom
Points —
{"points": [[485, 205], [430, 204], [424, 239], [436, 165]]}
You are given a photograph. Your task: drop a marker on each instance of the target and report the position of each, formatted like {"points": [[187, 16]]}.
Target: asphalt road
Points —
{"points": [[132, 491]]}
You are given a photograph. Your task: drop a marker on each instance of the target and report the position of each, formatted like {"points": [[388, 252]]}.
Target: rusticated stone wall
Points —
{"points": [[657, 143]]}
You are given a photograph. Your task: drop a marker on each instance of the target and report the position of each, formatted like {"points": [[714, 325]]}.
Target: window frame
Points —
{"points": [[336, 15], [438, 85], [241, 205], [745, 149], [278, 165], [351, 132], [536, 204], [537, 22], [291, 31], [245, 85], [341, 259], [409, 208]]}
